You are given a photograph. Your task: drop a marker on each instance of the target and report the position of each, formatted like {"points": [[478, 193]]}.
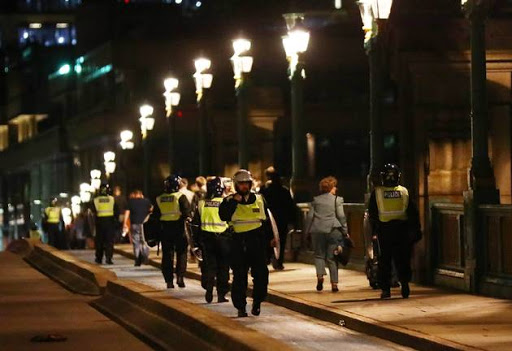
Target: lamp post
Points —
{"points": [[295, 45], [373, 11], [172, 99], [242, 66], [203, 81], [110, 164], [147, 122]]}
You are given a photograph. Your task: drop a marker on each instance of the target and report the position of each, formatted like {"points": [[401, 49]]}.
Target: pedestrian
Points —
{"points": [[52, 223], [246, 213], [280, 203], [199, 187], [106, 213], [228, 187], [138, 211], [327, 225], [214, 241], [174, 210], [395, 223], [121, 203], [188, 193]]}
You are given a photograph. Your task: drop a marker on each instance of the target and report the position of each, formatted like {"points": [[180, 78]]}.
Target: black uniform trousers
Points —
{"points": [[283, 233], [248, 251], [105, 236], [173, 240], [215, 265], [53, 234], [395, 246]]}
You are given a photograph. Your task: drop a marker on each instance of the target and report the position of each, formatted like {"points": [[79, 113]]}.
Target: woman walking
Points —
{"points": [[327, 226]]}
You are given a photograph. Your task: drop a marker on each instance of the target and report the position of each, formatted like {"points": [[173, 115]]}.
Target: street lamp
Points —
{"points": [[295, 45], [95, 179], [110, 165], [203, 80], [85, 192], [242, 66], [172, 99], [147, 122], [126, 140], [373, 11]]}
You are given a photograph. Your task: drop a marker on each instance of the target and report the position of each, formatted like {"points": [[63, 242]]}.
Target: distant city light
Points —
{"points": [[65, 69], [61, 25], [178, 1], [337, 4], [35, 25], [61, 40], [198, 4], [78, 68], [73, 41], [25, 35]]}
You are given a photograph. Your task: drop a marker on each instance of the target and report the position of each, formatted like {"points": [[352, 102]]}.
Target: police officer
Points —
{"points": [[395, 222], [106, 212], [51, 223], [214, 241], [246, 214], [174, 209]]}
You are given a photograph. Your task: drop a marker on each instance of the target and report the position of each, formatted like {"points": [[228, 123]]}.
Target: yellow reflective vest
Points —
{"points": [[52, 214], [169, 206], [209, 213], [104, 206], [392, 203], [248, 217]]}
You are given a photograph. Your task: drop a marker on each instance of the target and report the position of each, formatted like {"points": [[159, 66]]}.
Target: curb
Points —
{"points": [[161, 320], [398, 335], [75, 275]]}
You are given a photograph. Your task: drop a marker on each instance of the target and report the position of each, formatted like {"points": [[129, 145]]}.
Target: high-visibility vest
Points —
{"points": [[169, 206], [392, 203], [104, 206], [52, 214], [209, 213], [248, 217]]}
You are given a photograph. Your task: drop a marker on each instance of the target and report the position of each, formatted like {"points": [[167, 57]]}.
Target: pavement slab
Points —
{"points": [[32, 304], [296, 330]]}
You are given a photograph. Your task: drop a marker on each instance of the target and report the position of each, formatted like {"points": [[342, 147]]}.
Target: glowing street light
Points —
{"points": [[172, 99], [203, 80], [147, 122], [95, 179], [126, 140], [110, 165]]}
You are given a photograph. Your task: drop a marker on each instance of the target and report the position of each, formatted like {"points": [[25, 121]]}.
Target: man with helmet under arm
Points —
{"points": [[174, 210], [395, 221], [246, 213], [214, 241], [106, 213]]}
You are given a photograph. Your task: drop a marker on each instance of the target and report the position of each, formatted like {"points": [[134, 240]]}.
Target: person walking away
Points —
{"points": [[395, 222], [214, 242], [106, 213], [280, 203], [327, 225], [246, 213], [174, 210], [122, 204], [188, 193], [137, 212], [52, 222]]}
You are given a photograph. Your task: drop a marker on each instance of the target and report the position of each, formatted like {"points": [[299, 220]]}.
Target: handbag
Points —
{"points": [[346, 243]]}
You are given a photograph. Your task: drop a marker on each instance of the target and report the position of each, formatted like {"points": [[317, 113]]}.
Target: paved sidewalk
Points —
{"points": [[460, 320], [32, 304]]}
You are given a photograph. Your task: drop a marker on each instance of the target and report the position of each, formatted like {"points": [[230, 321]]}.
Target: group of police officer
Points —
{"points": [[234, 231]]}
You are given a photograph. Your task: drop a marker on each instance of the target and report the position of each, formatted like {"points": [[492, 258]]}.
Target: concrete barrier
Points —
{"points": [[170, 323], [78, 276]]}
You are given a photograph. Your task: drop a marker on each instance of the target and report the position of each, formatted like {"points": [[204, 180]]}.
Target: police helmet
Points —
{"points": [[390, 175], [172, 183], [104, 189], [214, 188], [242, 176]]}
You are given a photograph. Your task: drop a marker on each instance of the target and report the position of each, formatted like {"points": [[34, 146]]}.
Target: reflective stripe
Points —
{"points": [[248, 217], [169, 205], [392, 203]]}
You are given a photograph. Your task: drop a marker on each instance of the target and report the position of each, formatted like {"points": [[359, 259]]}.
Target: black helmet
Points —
{"points": [[104, 189], [214, 188], [390, 175], [172, 183]]}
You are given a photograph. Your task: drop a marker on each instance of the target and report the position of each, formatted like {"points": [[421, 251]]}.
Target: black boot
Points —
{"points": [[180, 281], [256, 308], [406, 291], [170, 285], [208, 296], [222, 298], [386, 294], [109, 261], [242, 313]]}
